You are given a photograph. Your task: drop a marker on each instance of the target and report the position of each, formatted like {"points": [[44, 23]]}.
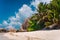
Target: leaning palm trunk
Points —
{"points": [[59, 23], [51, 27]]}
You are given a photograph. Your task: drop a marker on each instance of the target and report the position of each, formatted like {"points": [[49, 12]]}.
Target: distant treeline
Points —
{"points": [[10, 30]]}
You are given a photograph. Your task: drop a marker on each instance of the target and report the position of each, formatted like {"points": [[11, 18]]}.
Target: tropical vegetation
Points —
{"points": [[48, 14]]}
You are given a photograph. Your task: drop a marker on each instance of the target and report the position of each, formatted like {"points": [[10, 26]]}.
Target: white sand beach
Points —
{"points": [[35, 35]]}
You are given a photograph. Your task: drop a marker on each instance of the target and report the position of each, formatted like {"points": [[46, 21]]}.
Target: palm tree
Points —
{"points": [[48, 14]]}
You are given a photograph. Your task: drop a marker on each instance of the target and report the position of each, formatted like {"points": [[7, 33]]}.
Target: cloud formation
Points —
{"points": [[17, 20], [24, 12], [36, 2]]}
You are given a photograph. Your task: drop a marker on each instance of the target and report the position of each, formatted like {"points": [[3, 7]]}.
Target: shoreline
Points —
{"points": [[35, 35]]}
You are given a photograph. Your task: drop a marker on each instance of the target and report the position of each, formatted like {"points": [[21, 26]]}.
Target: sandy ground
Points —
{"points": [[35, 35]]}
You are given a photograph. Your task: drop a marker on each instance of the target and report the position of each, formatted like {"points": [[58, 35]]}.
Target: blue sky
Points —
{"points": [[9, 7], [13, 12]]}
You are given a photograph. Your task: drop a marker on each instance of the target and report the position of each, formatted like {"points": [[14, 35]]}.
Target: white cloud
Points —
{"points": [[26, 11], [5, 22], [47, 1], [17, 16], [9, 27], [36, 2]]}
